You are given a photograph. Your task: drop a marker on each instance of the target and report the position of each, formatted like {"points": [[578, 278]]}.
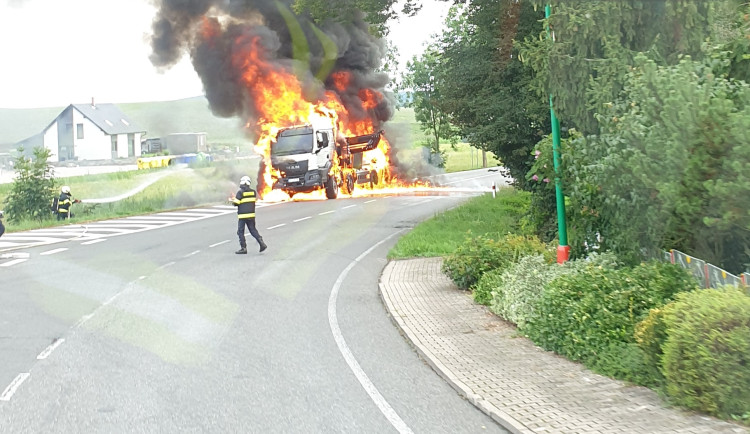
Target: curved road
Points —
{"points": [[167, 330]]}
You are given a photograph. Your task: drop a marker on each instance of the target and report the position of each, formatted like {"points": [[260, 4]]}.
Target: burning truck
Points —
{"points": [[310, 94], [316, 156]]}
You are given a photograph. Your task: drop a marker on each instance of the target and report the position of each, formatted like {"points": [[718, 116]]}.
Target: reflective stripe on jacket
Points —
{"points": [[63, 203], [245, 203]]}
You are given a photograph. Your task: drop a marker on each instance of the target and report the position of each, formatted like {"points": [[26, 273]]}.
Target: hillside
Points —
{"points": [[186, 115], [157, 118]]}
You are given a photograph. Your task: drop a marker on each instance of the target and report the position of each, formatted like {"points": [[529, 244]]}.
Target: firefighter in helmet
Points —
{"points": [[2, 227], [64, 202], [244, 200]]}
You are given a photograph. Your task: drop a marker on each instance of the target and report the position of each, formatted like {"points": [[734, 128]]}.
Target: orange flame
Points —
{"points": [[278, 102]]}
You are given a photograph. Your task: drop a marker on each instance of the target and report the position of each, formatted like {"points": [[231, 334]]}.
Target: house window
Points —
{"points": [[79, 131]]}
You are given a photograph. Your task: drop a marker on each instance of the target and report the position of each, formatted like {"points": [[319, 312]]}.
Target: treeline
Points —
{"points": [[654, 103]]}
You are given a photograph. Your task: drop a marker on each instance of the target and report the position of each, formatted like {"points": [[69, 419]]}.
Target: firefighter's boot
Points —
{"points": [[241, 251], [263, 245]]}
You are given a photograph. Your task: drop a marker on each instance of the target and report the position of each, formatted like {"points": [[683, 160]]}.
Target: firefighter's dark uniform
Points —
{"points": [[63, 206], [245, 203], [2, 227]]}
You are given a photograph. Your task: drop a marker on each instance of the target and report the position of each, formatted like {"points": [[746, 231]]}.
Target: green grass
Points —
{"points": [[464, 157], [179, 189], [483, 215]]}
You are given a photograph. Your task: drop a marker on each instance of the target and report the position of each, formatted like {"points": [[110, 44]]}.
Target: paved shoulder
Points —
{"points": [[522, 387]]}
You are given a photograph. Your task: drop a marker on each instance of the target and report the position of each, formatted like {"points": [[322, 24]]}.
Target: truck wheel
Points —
{"points": [[373, 179], [332, 188], [348, 184]]}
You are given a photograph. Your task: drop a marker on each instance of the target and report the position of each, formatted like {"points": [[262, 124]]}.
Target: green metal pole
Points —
{"points": [[563, 249]]}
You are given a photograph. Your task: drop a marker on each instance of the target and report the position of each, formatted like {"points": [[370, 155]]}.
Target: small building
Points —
{"points": [[88, 132]]}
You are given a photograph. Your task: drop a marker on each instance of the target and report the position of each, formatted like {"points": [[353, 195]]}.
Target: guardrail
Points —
{"points": [[710, 276]]}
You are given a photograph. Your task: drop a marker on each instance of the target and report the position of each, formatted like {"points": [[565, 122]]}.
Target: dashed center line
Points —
{"points": [[348, 206], [52, 252], [13, 262], [99, 240], [277, 226], [47, 351], [192, 253], [219, 243], [327, 212], [166, 265], [13, 386], [373, 200], [303, 218]]}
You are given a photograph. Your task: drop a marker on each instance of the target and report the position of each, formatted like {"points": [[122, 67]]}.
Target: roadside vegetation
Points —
{"points": [[648, 324], [654, 156], [175, 188]]}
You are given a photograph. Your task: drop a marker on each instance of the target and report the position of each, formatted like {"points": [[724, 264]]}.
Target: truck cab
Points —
{"points": [[303, 156]]}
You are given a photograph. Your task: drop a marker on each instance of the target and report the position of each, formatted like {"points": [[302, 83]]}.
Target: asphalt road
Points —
{"points": [[167, 330]]}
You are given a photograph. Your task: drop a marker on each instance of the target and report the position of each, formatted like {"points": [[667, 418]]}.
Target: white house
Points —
{"points": [[89, 132]]}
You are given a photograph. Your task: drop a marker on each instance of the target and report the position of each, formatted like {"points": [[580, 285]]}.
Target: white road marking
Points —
{"points": [[13, 262], [303, 218], [14, 255], [277, 226], [93, 241], [192, 253], [47, 351], [219, 243], [327, 212], [369, 387], [348, 206], [373, 200], [13, 386], [141, 277], [53, 251], [165, 265]]}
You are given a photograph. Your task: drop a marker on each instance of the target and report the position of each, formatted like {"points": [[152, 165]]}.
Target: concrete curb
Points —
{"points": [[499, 416]]}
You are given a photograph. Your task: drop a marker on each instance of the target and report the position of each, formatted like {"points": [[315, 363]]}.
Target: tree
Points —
{"points": [[33, 187], [376, 12], [584, 64], [486, 87], [667, 170], [422, 79]]}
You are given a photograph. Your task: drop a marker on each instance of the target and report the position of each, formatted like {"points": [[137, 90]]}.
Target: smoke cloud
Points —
{"points": [[215, 32]]}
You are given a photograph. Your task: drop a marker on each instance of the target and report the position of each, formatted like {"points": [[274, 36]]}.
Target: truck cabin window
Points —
{"points": [[322, 139], [296, 141]]}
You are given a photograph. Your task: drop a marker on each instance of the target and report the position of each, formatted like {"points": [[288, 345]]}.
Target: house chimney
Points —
{"points": [[92, 103]]}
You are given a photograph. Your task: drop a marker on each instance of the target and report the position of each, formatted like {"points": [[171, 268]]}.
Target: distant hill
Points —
{"points": [[160, 118], [19, 124], [157, 118]]}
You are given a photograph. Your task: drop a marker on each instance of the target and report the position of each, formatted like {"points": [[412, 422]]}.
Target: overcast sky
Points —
{"points": [[55, 52]]}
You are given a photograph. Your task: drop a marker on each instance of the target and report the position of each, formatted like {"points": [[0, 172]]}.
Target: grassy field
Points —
{"points": [[179, 188], [193, 115], [192, 187], [483, 215]]}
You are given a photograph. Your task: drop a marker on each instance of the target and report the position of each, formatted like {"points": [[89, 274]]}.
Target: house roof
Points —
{"points": [[109, 118]]}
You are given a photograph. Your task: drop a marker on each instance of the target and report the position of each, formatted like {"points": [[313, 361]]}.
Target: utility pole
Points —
{"points": [[563, 249]]}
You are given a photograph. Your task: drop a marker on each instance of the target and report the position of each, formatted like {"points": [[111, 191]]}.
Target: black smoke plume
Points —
{"points": [[182, 26]]}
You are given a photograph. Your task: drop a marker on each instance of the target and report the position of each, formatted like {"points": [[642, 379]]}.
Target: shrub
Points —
{"points": [[706, 361], [519, 288], [628, 362], [650, 335], [481, 254], [487, 285], [582, 315], [33, 187]]}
